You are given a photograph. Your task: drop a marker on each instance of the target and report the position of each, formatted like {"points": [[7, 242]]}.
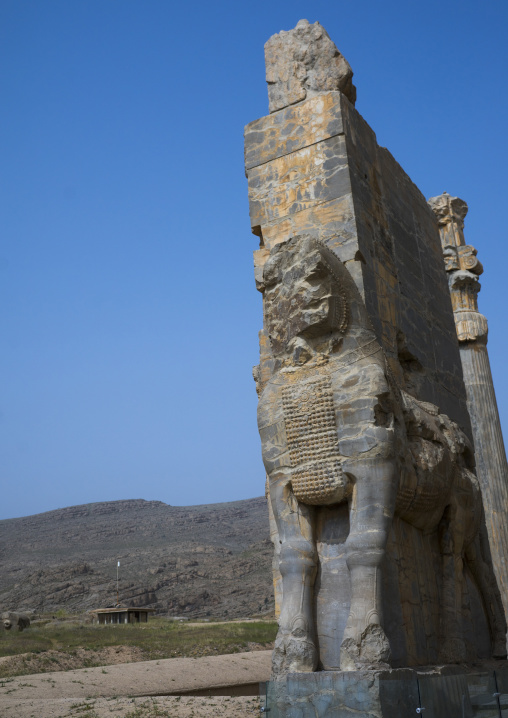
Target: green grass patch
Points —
{"points": [[159, 638]]}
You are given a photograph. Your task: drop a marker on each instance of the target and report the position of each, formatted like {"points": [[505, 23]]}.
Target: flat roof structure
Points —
{"points": [[121, 614]]}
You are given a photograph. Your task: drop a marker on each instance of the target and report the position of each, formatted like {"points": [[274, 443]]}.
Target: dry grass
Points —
{"points": [[162, 707]]}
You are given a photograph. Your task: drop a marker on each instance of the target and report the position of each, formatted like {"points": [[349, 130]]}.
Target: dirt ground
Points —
{"points": [[140, 690], [165, 707]]}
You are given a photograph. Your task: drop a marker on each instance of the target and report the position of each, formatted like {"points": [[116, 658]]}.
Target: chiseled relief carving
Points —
{"points": [[335, 428], [309, 416]]}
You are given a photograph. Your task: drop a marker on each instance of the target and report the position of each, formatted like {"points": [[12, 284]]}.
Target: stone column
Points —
{"points": [[463, 269]]}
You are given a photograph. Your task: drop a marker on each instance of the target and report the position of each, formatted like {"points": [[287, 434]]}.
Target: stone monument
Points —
{"points": [[463, 269], [382, 555]]}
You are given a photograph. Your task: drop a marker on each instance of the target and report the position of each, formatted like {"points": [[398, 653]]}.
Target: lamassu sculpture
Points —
{"points": [[340, 435], [368, 408]]}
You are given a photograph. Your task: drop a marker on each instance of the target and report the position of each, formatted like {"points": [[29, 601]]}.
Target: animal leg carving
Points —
{"points": [[295, 648], [483, 575], [451, 539], [365, 643]]}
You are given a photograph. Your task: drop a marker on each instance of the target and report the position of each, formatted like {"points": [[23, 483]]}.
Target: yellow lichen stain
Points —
{"points": [[321, 220], [288, 184], [309, 123], [260, 256], [276, 233]]}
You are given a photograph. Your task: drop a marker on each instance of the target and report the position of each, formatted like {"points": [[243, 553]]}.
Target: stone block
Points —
{"points": [[303, 62], [444, 692], [331, 222], [298, 181], [292, 129], [392, 694]]}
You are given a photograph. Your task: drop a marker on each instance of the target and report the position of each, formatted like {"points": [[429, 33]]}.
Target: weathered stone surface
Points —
{"points": [[390, 694], [334, 428], [354, 196], [303, 62], [463, 269], [381, 550], [298, 181], [289, 130], [399, 693]]}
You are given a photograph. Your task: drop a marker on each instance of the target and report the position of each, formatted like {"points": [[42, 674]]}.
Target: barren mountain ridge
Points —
{"points": [[197, 561]]}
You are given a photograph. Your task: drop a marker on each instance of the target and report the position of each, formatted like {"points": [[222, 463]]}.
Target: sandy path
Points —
{"points": [[120, 690]]}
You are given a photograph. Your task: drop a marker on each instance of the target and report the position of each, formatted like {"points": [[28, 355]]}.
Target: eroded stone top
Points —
{"points": [[303, 62], [448, 209]]}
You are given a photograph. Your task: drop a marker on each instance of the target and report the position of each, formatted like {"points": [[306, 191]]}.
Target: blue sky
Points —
{"points": [[128, 310]]}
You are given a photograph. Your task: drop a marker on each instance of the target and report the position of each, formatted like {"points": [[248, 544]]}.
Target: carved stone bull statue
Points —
{"points": [[11, 620], [335, 428]]}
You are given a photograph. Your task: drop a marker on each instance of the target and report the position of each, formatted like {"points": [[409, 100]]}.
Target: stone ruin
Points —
{"points": [[18, 620], [387, 479]]}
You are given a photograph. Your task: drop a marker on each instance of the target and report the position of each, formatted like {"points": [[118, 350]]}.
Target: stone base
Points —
{"points": [[398, 693], [336, 694]]}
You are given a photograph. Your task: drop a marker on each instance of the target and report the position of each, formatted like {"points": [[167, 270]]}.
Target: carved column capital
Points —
{"points": [[462, 266], [450, 213]]}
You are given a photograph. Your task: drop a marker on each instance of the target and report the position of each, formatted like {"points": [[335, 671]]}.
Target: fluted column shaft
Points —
{"points": [[491, 464], [463, 269]]}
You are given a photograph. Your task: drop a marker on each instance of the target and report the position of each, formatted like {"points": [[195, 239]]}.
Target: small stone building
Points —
{"points": [[121, 614]]}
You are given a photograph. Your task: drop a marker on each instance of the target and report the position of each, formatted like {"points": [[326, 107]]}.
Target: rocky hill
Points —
{"points": [[197, 561]]}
